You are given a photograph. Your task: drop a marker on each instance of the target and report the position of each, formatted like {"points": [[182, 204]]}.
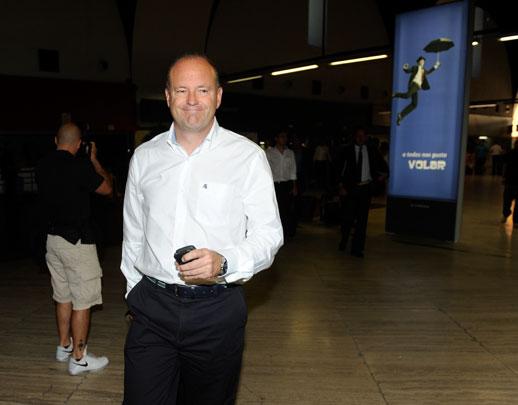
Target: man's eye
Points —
{"points": [[203, 91], [180, 91]]}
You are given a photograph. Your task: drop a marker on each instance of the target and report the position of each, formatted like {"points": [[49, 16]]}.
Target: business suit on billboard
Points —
{"points": [[417, 81]]}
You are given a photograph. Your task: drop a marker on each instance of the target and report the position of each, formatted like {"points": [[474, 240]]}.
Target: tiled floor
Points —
{"points": [[409, 324]]}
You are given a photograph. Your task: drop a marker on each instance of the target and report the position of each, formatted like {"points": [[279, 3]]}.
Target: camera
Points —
{"points": [[85, 149]]}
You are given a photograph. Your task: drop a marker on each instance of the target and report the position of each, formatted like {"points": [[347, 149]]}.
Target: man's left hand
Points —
{"points": [[204, 268]]}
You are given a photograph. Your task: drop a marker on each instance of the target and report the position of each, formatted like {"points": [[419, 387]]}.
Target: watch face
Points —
{"points": [[224, 267]]}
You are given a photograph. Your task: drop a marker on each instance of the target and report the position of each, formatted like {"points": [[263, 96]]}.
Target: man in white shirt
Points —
{"points": [[197, 184], [284, 172], [416, 82]]}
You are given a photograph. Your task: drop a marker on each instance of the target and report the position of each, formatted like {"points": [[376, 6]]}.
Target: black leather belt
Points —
{"points": [[192, 291]]}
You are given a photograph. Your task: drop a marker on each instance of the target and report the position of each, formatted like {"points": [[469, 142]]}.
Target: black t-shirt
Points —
{"points": [[64, 185]]}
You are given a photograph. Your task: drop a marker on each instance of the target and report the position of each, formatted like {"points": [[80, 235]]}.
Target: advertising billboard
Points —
{"points": [[428, 109]]}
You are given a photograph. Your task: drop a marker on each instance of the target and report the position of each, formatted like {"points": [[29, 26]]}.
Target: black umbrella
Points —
{"points": [[439, 45]]}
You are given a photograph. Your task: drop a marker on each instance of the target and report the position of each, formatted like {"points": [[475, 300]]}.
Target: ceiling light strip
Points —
{"points": [[245, 79], [357, 60], [508, 38], [294, 70], [474, 106]]}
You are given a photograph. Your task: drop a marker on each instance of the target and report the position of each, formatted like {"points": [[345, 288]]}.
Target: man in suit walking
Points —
{"points": [[363, 169], [416, 82]]}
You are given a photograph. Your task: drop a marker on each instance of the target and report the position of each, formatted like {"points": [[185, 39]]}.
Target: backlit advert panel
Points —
{"points": [[428, 102]]}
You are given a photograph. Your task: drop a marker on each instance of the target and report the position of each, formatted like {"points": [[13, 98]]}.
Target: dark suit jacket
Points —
{"points": [[413, 71], [377, 165]]}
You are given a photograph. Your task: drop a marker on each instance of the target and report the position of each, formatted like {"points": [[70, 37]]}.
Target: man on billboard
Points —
{"points": [[416, 82]]}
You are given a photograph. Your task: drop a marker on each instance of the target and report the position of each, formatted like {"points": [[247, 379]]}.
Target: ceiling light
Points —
{"points": [[483, 137], [356, 60], [474, 106], [474, 43], [244, 79], [294, 70], [508, 38]]}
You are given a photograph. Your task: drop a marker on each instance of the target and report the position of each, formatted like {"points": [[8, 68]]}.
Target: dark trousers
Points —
{"points": [[284, 197], [355, 212], [411, 93], [497, 165], [321, 174], [181, 350], [510, 194]]}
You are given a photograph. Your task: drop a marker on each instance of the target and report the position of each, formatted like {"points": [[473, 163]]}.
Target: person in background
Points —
{"points": [[511, 185], [65, 182], [496, 152], [284, 172], [363, 167], [321, 164], [480, 157]]}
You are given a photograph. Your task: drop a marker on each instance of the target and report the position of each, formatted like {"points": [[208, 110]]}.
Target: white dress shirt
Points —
{"points": [[283, 165], [418, 78], [221, 197], [366, 172]]}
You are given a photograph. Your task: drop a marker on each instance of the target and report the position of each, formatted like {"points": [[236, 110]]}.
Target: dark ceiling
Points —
{"points": [[499, 20]]}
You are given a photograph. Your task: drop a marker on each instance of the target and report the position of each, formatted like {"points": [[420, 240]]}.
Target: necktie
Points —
{"points": [[359, 165]]}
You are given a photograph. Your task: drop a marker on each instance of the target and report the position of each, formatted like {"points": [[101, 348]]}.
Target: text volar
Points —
{"points": [[427, 164]]}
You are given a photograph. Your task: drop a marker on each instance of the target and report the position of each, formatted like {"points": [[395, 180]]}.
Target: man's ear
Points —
{"points": [[166, 91], [219, 96], [56, 140]]}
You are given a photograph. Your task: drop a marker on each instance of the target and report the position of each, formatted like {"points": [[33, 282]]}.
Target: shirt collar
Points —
{"points": [[208, 142]]}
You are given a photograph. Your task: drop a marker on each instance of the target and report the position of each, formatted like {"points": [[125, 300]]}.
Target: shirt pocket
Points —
{"points": [[213, 205]]}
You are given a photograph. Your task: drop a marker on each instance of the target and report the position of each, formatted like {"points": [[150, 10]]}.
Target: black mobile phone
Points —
{"points": [[178, 255]]}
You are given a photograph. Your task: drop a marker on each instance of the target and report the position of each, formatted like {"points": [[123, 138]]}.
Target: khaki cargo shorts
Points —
{"points": [[75, 272]]}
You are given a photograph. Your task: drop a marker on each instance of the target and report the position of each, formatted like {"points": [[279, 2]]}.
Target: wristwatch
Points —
{"points": [[223, 267]]}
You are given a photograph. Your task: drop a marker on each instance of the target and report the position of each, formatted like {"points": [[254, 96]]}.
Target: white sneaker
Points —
{"points": [[63, 353], [88, 362]]}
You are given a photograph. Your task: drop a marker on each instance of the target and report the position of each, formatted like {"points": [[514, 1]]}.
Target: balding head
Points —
{"points": [[69, 138], [68, 134], [192, 56]]}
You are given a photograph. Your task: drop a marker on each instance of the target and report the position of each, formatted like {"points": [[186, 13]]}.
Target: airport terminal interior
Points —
{"points": [[415, 319]]}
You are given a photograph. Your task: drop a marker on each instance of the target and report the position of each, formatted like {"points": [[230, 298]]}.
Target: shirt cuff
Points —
{"points": [[238, 270]]}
